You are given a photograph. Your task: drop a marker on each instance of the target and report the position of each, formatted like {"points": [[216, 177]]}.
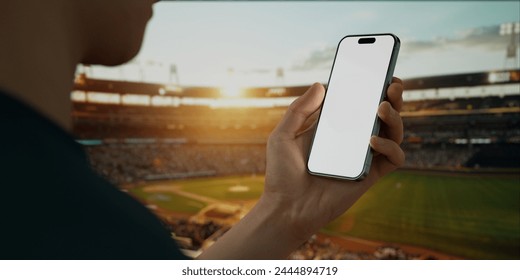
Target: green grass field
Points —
{"points": [[218, 188], [170, 201], [471, 216], [465, 215]]}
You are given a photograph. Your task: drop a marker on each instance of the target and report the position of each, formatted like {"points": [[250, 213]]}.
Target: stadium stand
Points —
{"points": [[188, 137], [193, 237], [125, 163], [452, 123]]}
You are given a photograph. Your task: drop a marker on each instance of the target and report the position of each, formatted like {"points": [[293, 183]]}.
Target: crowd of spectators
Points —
{"points": [[130, 163], [325, 249], [124, 163], [192, 236], [462, 103], [231, 141], [452, 133], [437, 156]]}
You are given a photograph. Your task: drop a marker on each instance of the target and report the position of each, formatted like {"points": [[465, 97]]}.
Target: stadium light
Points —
{"points": [[510, 28], [174, 88], [498, 77]]}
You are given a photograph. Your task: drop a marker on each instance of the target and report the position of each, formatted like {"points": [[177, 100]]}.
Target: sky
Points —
{"points": [[245, 43]]}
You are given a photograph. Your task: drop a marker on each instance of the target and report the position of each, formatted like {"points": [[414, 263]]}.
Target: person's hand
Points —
{"points": [[309, 202], [295, 204]]}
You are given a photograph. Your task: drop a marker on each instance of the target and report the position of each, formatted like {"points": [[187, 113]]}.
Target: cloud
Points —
{"points": [[486, 38], [418, 46], [316, 59]]}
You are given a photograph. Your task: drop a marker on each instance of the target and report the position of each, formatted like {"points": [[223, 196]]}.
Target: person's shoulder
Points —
{"points": [[56, 206]]}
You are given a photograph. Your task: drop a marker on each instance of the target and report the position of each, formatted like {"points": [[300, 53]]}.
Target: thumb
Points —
{"points": [[301, 109]]}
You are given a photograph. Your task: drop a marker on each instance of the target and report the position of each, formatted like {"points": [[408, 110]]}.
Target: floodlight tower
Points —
{"points": [[174, 75], [512, 29], [141, 67], [280, 77]]}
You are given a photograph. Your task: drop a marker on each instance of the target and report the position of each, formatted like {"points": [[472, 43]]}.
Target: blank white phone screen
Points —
{"points": [[349, 112]]}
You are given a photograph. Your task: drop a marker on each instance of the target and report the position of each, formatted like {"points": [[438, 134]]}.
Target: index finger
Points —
{"points": [[300, 110]]}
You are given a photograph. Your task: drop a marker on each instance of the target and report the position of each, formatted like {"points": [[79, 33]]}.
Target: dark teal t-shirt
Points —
{"points": [[54, 206]]}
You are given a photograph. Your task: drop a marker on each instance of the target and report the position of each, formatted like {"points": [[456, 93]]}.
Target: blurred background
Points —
{"points": [[183, 127]]}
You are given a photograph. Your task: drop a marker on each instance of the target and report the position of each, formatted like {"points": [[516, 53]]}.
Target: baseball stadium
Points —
{"points": [[183, 127], [197, 160]]}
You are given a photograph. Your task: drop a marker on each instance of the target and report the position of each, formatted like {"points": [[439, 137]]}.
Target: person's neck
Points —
{"points": [[37, 64]]}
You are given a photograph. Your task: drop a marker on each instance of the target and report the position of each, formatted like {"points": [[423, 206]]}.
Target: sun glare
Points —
{"points": [[231, 91]]}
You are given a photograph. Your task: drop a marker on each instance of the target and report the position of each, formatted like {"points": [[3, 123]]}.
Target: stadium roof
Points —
{"points": [[83, 83]]}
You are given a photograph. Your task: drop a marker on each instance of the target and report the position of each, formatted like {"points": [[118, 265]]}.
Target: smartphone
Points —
{"points": [[361, 73]]}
